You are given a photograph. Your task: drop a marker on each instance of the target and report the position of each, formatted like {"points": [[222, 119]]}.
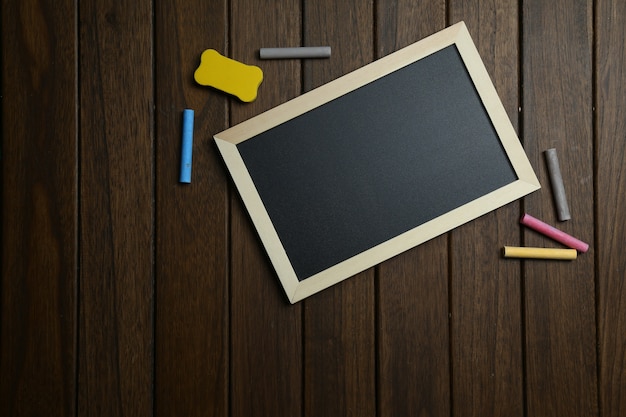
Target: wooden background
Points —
{"points": [[125, 293]]}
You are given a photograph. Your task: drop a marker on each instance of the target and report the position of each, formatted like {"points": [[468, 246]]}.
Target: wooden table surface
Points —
{"points": [[125, 293]]}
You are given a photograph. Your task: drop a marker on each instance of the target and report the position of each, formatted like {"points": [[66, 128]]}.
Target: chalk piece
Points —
{"points": [[539, 253], [558, 189], [187, 146], [228, 75], [293, 53], [554, 233]]}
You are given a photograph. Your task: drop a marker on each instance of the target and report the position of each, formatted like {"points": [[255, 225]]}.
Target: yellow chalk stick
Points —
{"points": [[228, 75], [539, 253]]}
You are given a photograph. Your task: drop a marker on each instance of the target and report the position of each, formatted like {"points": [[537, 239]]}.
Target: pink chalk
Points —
{"points": [[556, 234]]}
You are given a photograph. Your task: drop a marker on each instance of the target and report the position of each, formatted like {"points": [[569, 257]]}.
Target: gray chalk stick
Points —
{"points": [[556, 180], [301, 52]]}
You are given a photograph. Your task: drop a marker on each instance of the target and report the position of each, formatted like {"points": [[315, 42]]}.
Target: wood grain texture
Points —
{"points": [[339, 350], [485, 290], [125, 293], [191, 363], [116, 211], [39, 209], [559, 296], [610, 190], [339, 326], [266, 331], [413, 345]]}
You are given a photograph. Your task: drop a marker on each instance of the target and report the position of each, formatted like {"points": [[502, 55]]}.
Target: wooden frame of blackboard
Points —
{"points": [[298, 287]]}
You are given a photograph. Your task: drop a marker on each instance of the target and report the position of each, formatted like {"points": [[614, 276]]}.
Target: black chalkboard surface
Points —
{"points": [[376, 162]]}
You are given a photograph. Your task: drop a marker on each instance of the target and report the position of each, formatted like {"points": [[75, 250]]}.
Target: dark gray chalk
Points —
{"points": [[558, 189], [291, 53]]}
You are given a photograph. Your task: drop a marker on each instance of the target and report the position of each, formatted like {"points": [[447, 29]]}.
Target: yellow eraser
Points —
{"points": [[228, 75]]}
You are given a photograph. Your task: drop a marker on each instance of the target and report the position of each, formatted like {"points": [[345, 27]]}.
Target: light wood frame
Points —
{"points": [[458, 35]]}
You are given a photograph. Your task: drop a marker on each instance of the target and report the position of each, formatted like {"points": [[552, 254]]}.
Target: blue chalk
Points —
{"points": [[185, 159]]}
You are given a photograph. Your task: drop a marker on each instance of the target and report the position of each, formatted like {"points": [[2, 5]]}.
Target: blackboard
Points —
{"points": [[376, 162]]}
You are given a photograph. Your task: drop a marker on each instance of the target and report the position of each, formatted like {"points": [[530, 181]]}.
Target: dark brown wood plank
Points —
{"points": [[339, 339], [266, 331], [191, 363], [413, 346], [559, 296], [340, 365], [611, 203], [116, 231], [485, 289], [39, 209]]}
